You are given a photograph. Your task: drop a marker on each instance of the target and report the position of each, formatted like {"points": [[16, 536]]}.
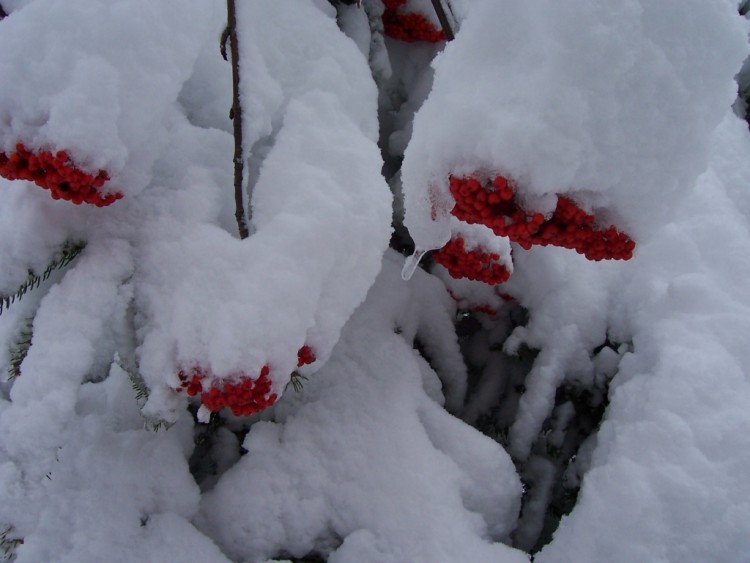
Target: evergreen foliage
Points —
{"points": [[67, 253], [20, 349]]}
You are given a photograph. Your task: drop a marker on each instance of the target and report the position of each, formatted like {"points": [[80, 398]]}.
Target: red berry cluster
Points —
{"points": [[494, 205], [56, 173], [244, 397], [484, 309], [472, 264], [408, 27], [305, 356]]}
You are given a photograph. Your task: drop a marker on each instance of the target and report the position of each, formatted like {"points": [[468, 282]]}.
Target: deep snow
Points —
{"points": [[625, 108]]}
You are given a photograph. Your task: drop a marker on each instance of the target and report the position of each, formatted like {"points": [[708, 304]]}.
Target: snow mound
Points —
{"points": [[232, 307], [610, 105], [306, 482], [103, 78], [672, 453]]}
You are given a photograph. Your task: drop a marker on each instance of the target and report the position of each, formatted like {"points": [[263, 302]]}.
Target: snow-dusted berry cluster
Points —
{"points": [[243, 395], [305, 356], [474, 264], [57, 173], [408, 27], [494, 205]]}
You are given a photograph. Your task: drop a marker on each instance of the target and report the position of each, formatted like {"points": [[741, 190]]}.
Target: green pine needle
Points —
{"points": [[136, 381], [141, 391], [141, 395], [296, 380], [67, 253], [20, 350], [8, 544]]}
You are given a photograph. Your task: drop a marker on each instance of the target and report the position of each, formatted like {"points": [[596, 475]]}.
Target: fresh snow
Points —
{"points": [[624, 107], [397, 443], [609, 104]]}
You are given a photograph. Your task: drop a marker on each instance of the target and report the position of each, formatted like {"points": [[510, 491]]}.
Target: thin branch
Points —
{"points": [[239, 160], [443, 18], [223, 43], [3, 13]]}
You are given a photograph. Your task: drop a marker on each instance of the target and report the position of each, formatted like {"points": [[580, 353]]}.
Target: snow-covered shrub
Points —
{"points": [[301, 400]]}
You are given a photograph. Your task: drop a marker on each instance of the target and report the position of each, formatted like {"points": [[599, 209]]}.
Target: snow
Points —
{"points": [[624, 107], [610, 105], [318, 236], [314, 469], [114, 492], [673, 437], [104, 77]]}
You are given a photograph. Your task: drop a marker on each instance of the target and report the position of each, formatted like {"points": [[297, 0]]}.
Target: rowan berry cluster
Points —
{"points": [[494, 204], [472, 264], [408, 27], [484, 309], [244, 396], [56, 173], [305, 356]]}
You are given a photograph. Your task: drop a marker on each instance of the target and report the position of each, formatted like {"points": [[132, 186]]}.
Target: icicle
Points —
{"points": [[411, 264]]}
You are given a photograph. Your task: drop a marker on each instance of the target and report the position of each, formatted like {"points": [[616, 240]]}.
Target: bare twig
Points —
{"points": [[443, 18], [223, 43], [3, 13], [239, 160]]}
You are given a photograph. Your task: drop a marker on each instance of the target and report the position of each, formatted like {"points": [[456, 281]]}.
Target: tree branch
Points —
{"points": [[3, 13], [239, 159], [443, 18]]}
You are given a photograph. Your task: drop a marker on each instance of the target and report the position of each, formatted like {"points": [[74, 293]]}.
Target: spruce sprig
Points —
{"points": [[136, 380], [296, 380], [141, 394], [8, 544], [67, 253], [20, 350]]}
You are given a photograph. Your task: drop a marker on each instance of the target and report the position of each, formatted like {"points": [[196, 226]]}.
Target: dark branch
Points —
{"points": [[3, 13], [223, 43], [239, 160], [443, 18]]}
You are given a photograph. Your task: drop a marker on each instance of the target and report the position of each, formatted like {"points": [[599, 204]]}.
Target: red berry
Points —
{"points": [[244, 396], [305, 356], [408, 27], [474, 265], [58, 174], [493, 204]]}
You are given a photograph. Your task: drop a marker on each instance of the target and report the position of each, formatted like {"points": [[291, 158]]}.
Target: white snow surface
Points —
{"points": [[297, 489], [320, 226], [623, 105], [96, 78], [673, 451], [609, 104]]}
